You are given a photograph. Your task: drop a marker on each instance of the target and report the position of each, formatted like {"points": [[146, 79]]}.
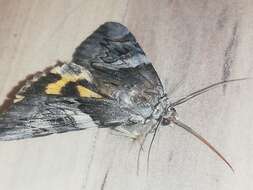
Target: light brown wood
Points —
{"points": [[191, 44]]}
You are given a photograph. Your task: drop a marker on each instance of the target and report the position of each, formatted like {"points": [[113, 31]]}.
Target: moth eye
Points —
{"points": [[166, 121]]}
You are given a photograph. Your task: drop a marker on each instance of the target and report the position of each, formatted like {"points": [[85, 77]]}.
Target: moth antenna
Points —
{"points": [[202, 139], [152, 142], [203, 90]]}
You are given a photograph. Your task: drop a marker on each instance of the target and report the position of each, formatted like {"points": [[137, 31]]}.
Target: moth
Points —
{"points": [[109, 83]]}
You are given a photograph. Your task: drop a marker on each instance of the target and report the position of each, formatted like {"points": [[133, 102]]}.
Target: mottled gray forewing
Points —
{"points": [[42, 115], [120, 68]]}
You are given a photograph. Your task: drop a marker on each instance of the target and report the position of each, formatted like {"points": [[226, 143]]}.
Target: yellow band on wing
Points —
{"points": [[67, 75], [55, 88], [85, 92]]}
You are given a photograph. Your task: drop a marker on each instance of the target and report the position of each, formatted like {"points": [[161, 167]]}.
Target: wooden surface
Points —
{"points": [[191, 44]]}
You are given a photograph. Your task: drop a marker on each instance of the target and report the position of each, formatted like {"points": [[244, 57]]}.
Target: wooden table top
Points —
{"points": [[191, 43]]}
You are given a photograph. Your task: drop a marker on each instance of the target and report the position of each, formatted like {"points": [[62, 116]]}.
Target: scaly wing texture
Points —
{"points": [[120, 68], [109, 83]]}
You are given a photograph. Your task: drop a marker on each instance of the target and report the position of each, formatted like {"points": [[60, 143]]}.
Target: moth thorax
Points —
{"points": [[160, 108]]}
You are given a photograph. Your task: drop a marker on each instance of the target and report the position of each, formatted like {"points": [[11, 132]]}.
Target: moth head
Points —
{"points": [[169, 117]]}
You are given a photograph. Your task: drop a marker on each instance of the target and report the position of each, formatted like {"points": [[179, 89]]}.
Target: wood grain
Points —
{"points": [[191, 44]]}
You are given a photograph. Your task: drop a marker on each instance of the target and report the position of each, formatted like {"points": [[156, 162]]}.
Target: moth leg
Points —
{"points": [[118, 133], [133, 136], [124, 132]]}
